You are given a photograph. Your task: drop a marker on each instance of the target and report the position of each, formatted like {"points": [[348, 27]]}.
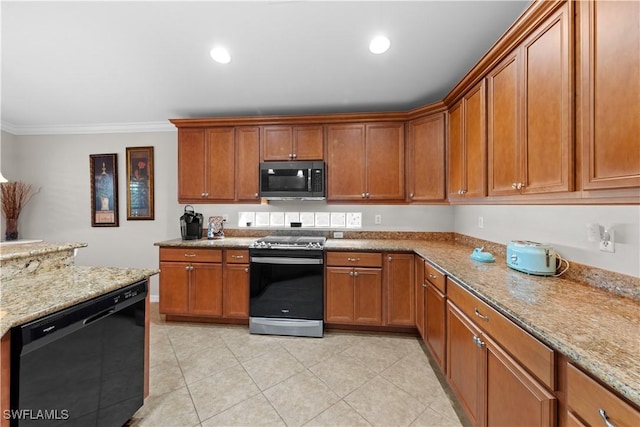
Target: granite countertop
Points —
{"points": [[30, 297], [227, 242], [596, 329], [11, 250]]}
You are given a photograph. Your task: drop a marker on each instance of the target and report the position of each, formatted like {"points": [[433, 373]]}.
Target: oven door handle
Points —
{"points": [[286, 260]]}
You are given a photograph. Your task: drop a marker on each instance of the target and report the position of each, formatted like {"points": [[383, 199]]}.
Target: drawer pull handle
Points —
{"points": [[190, 255], [432, 276], [424, 285], [604, 416], [353, 259], [237, 256], [480, 315]]}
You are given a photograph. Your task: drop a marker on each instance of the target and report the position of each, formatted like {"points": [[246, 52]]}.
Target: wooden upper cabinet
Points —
{"points": [[218, 164], [426, 159], [609, 93], [467, 145], [530, 142], [345, 162], [191, 164], [365, 161], [247, 163], [384, 156], [293, 142]]}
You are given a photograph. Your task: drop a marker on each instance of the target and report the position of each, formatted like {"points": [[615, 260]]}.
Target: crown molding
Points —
{"points": [[135, 127]]}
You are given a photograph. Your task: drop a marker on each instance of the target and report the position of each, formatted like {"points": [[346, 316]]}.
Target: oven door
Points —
{"points": [[287, 284]]}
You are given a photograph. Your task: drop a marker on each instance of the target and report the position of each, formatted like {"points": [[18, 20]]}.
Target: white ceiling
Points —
{"points": [[74, 66]]}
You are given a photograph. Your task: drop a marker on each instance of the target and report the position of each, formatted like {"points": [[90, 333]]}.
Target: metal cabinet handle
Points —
{"points": [[368, 194], [190, 255], [355, 273], [604, 416], [237, 256], [411, 195], [364, 195], [390, 259], [480, 315], [432, 276], [246, 270], [353, 259], [189, 267], [424, 285], [478, 341], [255, 195]]}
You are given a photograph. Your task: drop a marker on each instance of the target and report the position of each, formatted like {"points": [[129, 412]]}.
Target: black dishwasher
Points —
{"points": [[82, 366]]}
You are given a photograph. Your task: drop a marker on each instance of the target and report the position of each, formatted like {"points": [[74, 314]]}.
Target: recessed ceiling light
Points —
{"points": [[220, 55], [379, 44]]}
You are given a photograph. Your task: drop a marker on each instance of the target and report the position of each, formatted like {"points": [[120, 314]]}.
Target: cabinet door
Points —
{"points": [[503, 127], [236, 291], [475, 142], [191, 164], [455, 162], [308, 142], [400, 290], [206, 289], [220, 164], [340, 304], [247, 163], [368, 296], [384, 154], [513, 397], [425, 159], [277, 143], [346, 162], [420, 289], [609, 93], [174, 288], [465, 369], [435, 324], [547, 144]]}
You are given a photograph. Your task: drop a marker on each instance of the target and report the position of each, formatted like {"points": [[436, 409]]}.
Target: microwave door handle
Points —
{"points": [[309, 174], [286, 260]]}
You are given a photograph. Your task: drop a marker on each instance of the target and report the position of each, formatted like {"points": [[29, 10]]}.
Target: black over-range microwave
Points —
{"points": [[292, 180]]}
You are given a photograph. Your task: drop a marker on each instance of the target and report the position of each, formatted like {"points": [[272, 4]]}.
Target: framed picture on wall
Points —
{"points": [[104, 190], [139, 183]]}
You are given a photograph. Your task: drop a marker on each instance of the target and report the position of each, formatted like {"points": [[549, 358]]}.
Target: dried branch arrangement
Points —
{"points": [[15, 195]]}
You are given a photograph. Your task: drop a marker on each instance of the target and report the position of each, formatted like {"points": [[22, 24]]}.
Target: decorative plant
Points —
{"points": [[15, 195]]}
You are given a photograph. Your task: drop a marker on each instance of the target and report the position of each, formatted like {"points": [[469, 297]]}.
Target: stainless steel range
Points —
{"points": [[287, 286]]}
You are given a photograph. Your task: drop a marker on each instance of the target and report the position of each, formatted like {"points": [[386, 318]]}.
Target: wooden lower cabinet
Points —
{"points": [[235, 288], [493, 388], [435, 324], [591, 404], [353, 296], [464, 363], [191, 288], [421, 295], [400, 291], [206, 288]]}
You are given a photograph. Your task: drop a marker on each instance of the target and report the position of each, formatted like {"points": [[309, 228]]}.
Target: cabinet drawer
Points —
{"points": [[190, 255], [536, 357], [355, 259], [435, 277], [236, 256], [586, 397]]}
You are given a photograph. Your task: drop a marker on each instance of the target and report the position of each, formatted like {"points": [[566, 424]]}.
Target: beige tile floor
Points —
{"points": [[216, 375]]}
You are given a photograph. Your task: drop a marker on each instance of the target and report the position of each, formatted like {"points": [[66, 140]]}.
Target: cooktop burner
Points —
{"points": [[289, 242]]}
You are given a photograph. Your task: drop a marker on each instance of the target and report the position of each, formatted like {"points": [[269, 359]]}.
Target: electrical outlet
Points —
{"points": [[608, 242], [480, 222], [225, 217], [338, 234], [378, 219]]}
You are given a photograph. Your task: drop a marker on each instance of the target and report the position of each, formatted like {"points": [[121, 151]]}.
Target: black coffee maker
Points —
{"points": [[191, 224]]}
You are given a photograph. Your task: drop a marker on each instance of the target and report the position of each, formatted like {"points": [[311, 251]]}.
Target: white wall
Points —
{"points": [[564, 227], [59, 166]]}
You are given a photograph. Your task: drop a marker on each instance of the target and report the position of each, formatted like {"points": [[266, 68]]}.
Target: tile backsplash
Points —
{"points": [[285, 219]]}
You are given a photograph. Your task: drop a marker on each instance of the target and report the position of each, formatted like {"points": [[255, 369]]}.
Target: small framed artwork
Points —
{"points": [[139, 183], [104, 190]]}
